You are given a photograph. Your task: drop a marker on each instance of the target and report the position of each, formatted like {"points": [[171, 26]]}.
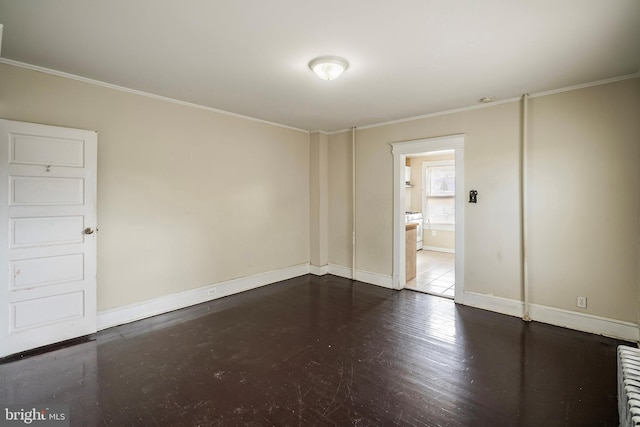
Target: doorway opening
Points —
{"points": [[429, 183], [430, 197]]}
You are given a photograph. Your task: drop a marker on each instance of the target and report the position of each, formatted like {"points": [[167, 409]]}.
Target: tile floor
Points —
{"points": [[436, 274]]}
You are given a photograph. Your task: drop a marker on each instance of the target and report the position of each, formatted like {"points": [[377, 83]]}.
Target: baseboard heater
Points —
{"points": [[629, 386]]}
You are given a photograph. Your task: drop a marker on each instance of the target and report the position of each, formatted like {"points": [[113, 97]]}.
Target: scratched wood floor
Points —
{"points": [[326, 351]]}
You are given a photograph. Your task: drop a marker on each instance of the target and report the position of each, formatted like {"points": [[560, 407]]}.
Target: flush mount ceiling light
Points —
{"points": [[487, 99], [328, 67]]}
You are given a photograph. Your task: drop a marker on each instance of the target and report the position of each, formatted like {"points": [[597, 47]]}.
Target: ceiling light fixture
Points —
{"points": [[329, 67], [487, 99]]}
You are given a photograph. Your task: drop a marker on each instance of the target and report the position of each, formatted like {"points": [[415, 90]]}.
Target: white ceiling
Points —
{"points": [[407, 57]]}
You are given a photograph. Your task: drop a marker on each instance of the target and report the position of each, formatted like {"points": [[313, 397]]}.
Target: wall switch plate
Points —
{"points": [[582, 302], [434, 233]]}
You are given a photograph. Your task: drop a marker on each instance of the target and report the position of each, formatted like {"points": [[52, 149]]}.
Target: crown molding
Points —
{"points": [[492, 104], [441, 113], [141, 93], [585, 85], [228, 113]]}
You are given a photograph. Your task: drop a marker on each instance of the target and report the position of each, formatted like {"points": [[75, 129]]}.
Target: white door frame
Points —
{"points": [[400, 151]]}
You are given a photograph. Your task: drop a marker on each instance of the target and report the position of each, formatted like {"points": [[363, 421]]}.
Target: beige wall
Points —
{"points": [[443, 239], [583, 199], [318, 193], [584, 181], [186, 197], [340, 206], [491, 167]]}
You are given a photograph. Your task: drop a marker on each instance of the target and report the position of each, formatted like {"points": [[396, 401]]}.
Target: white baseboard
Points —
{"points": [[492, 303], [338, 270], [585, 322], [167, 303], [319, 270], [374, 279], [555, 316], [362, 276], [436, 249]]}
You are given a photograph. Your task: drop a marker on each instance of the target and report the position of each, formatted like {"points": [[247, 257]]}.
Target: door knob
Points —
{"points": [[88, 230]]}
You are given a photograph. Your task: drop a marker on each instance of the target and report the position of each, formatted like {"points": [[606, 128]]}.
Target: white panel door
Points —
{"points": [[47, 235]]}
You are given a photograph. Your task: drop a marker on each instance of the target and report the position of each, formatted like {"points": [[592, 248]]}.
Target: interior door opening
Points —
{"points": [[429, 182], [430, 201]]}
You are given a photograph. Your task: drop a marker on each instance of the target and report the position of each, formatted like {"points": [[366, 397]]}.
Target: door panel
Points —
{"points": [[46, 231], [30, 273], [47, 199], [40, 191], [46, 151], [47, 310]]}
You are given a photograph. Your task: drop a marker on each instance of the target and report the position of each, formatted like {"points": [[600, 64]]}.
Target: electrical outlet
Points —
{"points": [[211, 291], [582, 302]]}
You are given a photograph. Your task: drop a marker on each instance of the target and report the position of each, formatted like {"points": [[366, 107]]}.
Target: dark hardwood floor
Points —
{"points": [[326, 351]]}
